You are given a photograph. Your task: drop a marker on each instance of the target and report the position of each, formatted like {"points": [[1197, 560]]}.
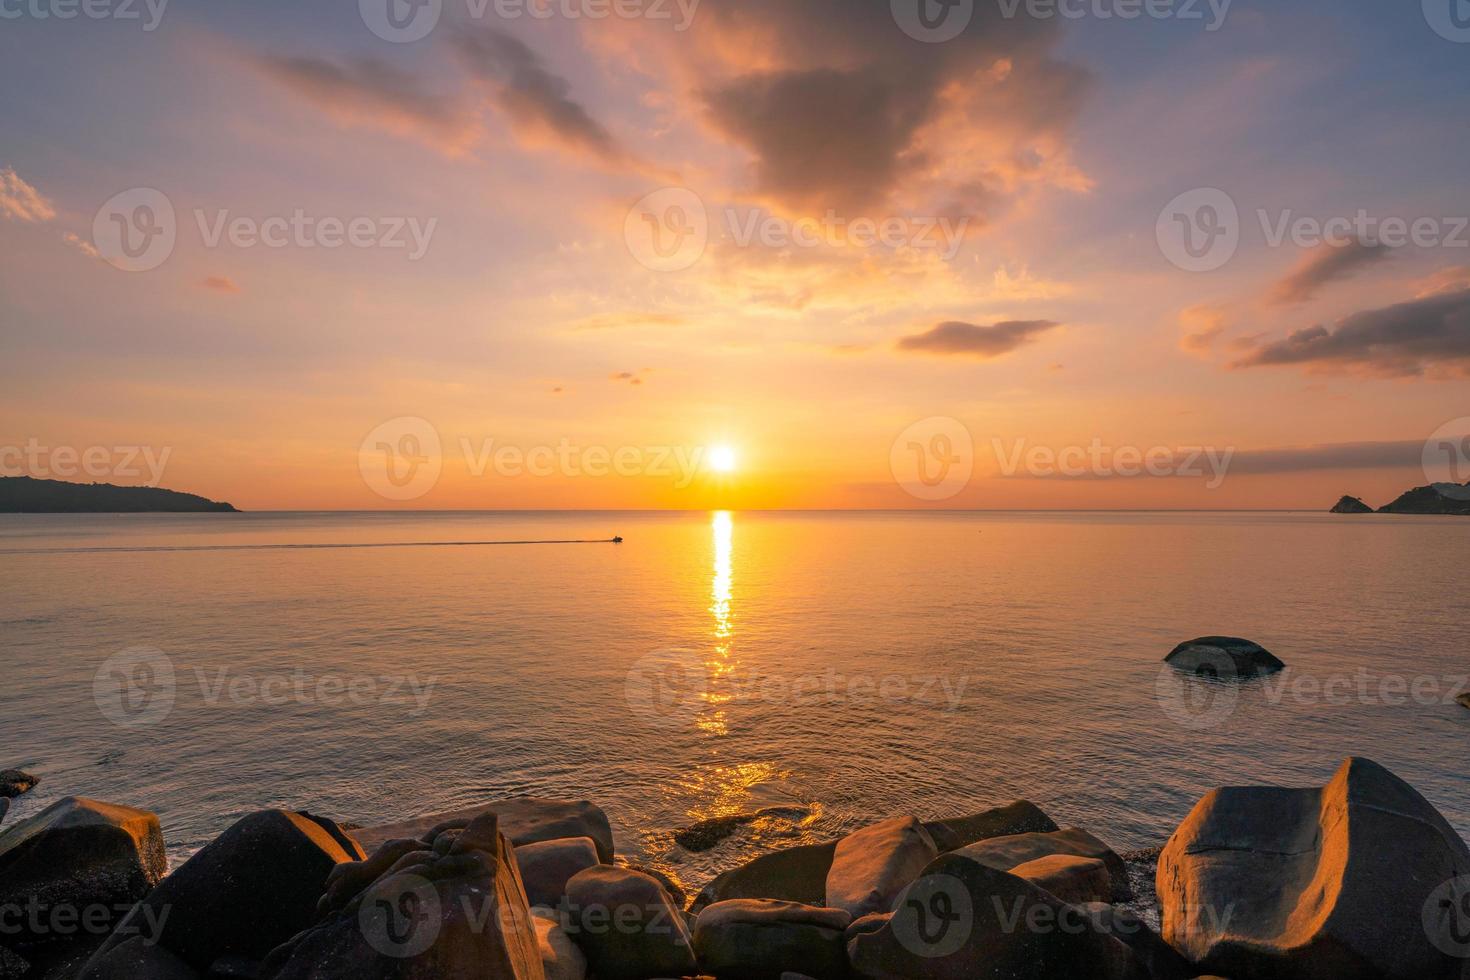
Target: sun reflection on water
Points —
{"points": [[718, 664]]}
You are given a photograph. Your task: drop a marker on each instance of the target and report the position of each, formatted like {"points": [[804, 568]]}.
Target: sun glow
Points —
{"points": [[722, 459]]}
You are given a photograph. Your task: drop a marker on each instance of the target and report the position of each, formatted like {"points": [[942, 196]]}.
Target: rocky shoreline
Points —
{"points": [[1360, 878]]}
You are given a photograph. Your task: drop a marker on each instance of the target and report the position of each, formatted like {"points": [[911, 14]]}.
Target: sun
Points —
{"points": [[722, 459]]}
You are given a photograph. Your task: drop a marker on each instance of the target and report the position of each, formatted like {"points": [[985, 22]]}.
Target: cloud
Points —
{"points": [[1431, 333], [1324, 265], [221, 284], [81, 245], [1201, 325], [966, 339], [1408, 454], [537, 102], [367, 92], [834, 106], [20, 201]]}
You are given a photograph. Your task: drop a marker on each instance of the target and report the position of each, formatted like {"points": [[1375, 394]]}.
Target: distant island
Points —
{"points": [[1437, 498], [26, 495]]}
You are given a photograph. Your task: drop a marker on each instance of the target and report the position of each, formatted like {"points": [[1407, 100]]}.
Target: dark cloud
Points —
{"points": [[969, 340], [533, 97], [840, 108], [1331, 456], [1432, 332], [1324, 265]]}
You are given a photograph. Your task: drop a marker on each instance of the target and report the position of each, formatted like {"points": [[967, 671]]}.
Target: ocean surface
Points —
{"points": [[838, 667]]}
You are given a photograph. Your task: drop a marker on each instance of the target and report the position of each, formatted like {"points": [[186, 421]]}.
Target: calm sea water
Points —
{"points": [[846, 667]]}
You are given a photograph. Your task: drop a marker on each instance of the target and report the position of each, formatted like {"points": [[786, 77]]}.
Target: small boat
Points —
{"points": [[617, 540]]}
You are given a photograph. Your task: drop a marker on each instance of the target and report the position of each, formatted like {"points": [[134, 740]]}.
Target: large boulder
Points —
{"points": [[561, 959], [81, 852], [1007, 853], [1020, 817], [14, 782], [1337, 883], [626, 924], [1078, 880], [793, 874], [244, 893], [546, 867], [1223, 657], [871, 866], [1161, 960], [140, 958], [451, 907], [524, 820], [761, 939], [964, 920]]}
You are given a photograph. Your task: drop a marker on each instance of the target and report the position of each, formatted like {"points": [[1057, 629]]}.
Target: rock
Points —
{"points": [[1224, 657], [546, 867], [452, 908], [12, 965], [1351, 505], [792, 874], [13, 782], [139, 958], [1336, 882], [244, 893], [1077, 880], [759, 939], [1160, 959], [1464, 699], [4, 808], [870, 867], [1437, 498], [234, 968], [675, 890], [80, 852], [707, 833], [1007, 853], [1020, 817], [963, 920], [525, 820], [626, 925], [561, 959]]}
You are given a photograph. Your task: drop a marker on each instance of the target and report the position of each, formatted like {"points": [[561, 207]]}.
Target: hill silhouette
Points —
{"points": [[27, 495]]}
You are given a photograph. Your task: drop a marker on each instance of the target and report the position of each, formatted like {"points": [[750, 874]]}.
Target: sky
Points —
{"points": [[443, 254]]}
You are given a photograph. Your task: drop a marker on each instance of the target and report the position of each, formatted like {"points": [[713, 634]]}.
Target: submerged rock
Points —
{"points": [[14, 782], [761, 939], [1223, 657], [1350, 505], [1337, 882], [524, 820], [707, 833], [448, 905], [870, 867], [81, 852], [244, 893]]}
